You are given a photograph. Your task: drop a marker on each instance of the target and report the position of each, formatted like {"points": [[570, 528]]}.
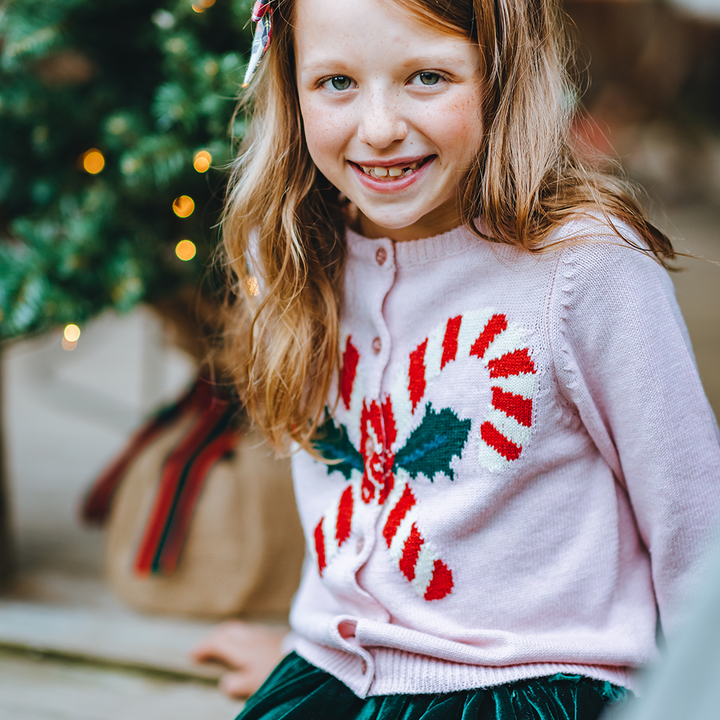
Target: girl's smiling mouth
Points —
{"points": [[395, 173]]}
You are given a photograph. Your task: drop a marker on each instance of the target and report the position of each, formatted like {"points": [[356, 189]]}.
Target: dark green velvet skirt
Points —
{"points": [[297, 690]]}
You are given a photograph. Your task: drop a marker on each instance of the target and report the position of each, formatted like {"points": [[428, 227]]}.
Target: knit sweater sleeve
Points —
{"points": [[623, 359]]}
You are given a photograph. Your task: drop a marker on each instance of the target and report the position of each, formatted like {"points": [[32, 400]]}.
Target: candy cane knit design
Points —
{"points": [[502, 348], [380, 472]]}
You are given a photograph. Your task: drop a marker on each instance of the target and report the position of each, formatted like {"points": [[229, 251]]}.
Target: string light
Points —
{"points": [[202, 5], [163, 19], [185, 250], [252, 286], [130, 166], [202, 160], [92, 161], [183, 206], [117, 125], [176, 45], [71, 335]]}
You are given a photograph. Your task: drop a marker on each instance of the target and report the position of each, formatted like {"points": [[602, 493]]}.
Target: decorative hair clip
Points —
{"points": [[262, 15]]}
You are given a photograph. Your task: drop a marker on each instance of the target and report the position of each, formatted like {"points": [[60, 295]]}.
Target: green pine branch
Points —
{"points": [[148, 83]]}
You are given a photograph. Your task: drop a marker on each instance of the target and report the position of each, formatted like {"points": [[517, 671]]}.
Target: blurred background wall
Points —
{"points": [[652, 92]]}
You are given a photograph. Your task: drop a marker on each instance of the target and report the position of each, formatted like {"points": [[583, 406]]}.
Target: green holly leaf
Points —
{"points": [[433, 444], [334, 446]]}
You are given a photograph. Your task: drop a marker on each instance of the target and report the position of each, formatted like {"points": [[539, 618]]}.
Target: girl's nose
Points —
{"points": [[382, 123]]}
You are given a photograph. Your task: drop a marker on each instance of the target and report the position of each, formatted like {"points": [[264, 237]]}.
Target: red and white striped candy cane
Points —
{"points": [[501, 347], [417, 559]]}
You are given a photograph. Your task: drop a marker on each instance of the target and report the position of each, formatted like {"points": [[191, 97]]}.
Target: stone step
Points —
{"points": [[114, 639], [58, 615], [40, 689]]}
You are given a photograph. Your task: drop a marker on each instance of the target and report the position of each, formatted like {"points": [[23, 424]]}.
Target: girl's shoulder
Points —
{"points": [[609, 284], [603, 250]]}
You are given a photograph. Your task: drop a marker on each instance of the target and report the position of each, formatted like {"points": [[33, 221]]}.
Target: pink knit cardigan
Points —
{"points": [[524, 467]]}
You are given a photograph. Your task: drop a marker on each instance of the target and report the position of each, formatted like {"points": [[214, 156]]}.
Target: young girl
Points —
{"points": [[504, 462]]}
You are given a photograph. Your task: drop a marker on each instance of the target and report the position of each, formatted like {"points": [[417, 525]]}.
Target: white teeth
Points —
{"points": [[395, 172], [380, 171]]}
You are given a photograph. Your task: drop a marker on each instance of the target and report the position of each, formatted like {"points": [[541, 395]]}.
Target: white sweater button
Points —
{"points": [[381, 256], [377, 345]]}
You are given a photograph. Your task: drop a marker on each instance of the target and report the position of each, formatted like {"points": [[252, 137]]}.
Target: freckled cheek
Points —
{"points": [[325, 133], [456, 128]]}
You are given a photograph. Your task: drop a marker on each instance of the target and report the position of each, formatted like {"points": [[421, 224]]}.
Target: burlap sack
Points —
{"points": [[245, 546]]}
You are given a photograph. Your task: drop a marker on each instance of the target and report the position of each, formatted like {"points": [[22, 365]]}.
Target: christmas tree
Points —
{"points": [[115, 126]]}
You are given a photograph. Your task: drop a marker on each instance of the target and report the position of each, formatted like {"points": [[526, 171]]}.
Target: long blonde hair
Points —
{"points": [[283, 225]]}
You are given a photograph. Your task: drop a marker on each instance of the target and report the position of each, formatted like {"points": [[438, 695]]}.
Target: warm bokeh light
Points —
{"points": [[202, 161], [252, 286], [67, 345], [185, 250], [130, 165], [71, 333], [92, 161], [183, 206], [202, 5]]}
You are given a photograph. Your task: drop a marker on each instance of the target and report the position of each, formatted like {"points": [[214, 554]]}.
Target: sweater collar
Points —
{"points": [[415, 252]]}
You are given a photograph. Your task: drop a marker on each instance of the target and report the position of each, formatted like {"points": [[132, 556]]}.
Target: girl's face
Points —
{"points": [[391, 110]]}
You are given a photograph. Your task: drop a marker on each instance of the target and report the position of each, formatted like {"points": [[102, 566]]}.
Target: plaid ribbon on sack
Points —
{"points": [[213, 434]]}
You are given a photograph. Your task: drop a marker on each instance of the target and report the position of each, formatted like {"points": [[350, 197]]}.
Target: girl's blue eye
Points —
{"points": [[429, 78], [340, 82]]}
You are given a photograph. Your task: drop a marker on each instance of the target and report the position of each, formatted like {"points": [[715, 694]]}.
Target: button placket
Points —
{"points": [[380, 343]]}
